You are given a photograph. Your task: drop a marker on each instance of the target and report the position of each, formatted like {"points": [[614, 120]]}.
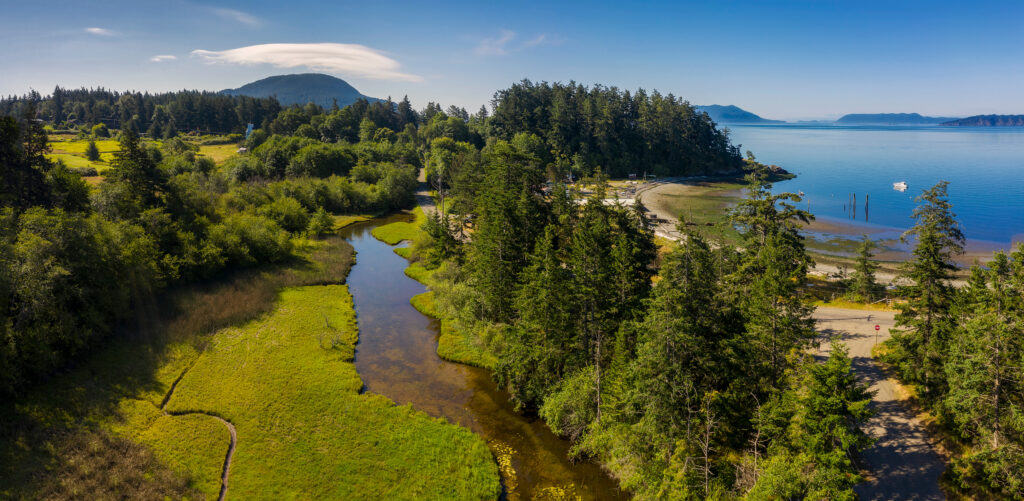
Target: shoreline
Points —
{"points": [[822, 233]]}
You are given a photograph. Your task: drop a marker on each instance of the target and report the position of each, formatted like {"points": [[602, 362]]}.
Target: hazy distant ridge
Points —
{"points": [[891, 119], [988, 121], [301, 89], [734, 114]]}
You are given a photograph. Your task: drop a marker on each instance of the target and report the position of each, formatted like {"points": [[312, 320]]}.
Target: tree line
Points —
{"points": [[157, 115], [623, 133]]}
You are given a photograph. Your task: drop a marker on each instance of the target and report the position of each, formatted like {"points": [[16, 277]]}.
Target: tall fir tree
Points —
{"points": [[863, 284], [923, 323]]}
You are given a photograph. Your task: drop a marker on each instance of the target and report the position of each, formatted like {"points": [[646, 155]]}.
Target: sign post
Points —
{"points": [[877, 328]]}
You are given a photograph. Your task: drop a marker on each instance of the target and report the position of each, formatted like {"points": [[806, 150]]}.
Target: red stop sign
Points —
{"points": [[878, 327]]}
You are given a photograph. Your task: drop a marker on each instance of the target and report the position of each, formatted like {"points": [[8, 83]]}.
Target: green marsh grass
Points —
{"points": [[394, 233], [255, 338], [316, 434]]}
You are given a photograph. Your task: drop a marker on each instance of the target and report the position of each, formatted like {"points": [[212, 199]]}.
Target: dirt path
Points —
{"points": [[423, 196], [903, 463], [227, 424]]}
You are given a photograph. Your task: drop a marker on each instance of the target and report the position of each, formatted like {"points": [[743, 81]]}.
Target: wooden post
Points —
{"points": [[867, 198]]}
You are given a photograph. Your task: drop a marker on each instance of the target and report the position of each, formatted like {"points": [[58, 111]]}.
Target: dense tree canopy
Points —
{"points": [[620, 132]]}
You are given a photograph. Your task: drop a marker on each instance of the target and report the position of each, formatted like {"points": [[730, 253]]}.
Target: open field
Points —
{"points": [[269, 351], [70, 149], [218, 152]]}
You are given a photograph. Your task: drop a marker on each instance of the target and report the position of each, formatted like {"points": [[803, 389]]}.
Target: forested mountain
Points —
{"points": [[317, 88], [890, 119], [734, 114], [159, 115], [988, 121], [620, 132]]}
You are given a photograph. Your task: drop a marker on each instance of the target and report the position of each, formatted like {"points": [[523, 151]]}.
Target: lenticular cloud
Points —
{"points": [[350, 59]]}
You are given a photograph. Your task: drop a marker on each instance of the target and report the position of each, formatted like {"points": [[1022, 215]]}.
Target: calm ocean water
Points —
{"points": [[984, 166]]}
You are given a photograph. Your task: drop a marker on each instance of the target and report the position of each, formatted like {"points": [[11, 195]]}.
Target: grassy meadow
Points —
{"points": [[271, 352], [70, 148]]}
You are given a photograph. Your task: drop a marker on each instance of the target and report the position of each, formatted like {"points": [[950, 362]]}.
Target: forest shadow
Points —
{"points": [[49, 428]]}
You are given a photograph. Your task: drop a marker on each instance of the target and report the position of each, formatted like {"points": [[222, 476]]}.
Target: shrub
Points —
{"points": [[100, 130], [84, 171], [245, 240], [286, 212], [321, 160], [365, 173], [245, 168], [321, 222]]}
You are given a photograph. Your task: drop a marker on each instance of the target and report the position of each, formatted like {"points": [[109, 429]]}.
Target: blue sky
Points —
{"points": [[787, 60]]}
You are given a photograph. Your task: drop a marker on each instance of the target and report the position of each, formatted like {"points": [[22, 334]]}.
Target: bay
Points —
{"points": [[984, 166]]}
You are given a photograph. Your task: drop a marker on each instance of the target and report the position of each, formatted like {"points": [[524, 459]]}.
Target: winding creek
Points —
{"points": [[397, 357]]}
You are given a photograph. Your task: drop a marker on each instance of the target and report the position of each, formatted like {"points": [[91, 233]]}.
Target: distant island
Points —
{"points": [[734, 114], [891, 119], [987, 121], [301, 89]]}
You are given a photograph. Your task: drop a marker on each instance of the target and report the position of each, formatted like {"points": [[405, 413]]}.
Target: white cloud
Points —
{"points": [[103, 32], [348, 59], [237, 16], [163, 57], [537, 40], [495, 46], [506, 43]]}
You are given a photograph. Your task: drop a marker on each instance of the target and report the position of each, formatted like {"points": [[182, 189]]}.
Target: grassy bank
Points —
{"points": [[270, 351], [394, 233], [455, 343]]}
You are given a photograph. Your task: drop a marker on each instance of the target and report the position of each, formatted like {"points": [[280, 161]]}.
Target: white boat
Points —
{"points": [[900, 186]]}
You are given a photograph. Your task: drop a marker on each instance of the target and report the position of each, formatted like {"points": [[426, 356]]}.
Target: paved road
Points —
{"points": [[902, 463]]}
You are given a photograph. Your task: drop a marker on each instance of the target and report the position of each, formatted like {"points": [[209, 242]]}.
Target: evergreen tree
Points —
{"points": [[135, 180], [815, 427], [92, 153], [677, 355], [773, 266], [511, 216], [862, 284], [443, 245], [542, 349], [778, 320], [985, 366], [924, 322], [591, 263]]}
